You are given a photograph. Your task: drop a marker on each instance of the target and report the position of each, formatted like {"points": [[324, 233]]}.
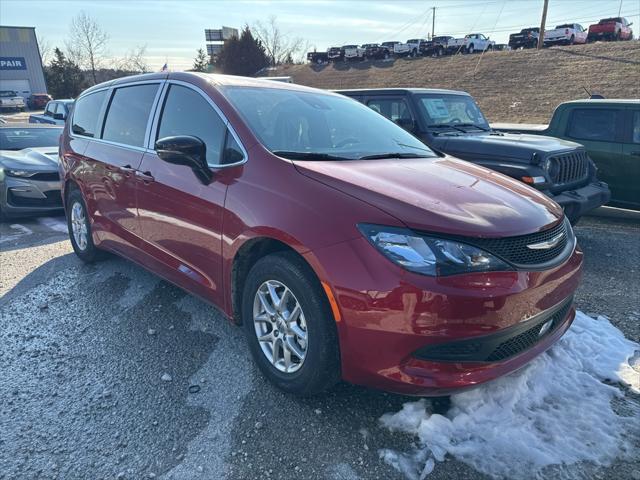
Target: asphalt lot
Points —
{"points": [[109, 372]]}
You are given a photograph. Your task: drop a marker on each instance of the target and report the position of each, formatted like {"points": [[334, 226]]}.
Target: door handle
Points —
{"points": [[146, 177], [127, 170]]}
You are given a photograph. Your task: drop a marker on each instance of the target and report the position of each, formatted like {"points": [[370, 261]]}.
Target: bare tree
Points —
{"points": [[279, 46], [45, 49], [87, 43], [135, 60]]}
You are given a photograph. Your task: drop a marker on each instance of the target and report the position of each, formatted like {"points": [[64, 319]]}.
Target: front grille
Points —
{"points": [[571, 167], [53, 200], [516, 251], [528, 338], [46, 176], [502, 345]]}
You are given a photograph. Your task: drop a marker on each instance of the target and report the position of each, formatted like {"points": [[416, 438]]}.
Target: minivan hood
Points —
{"points": [[508, 145], [440, 195]]}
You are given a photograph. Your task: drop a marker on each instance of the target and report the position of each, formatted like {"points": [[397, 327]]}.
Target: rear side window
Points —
{"points": [[128, 114], [392, 108], [86, 112], [599, 125], [186, 112]]}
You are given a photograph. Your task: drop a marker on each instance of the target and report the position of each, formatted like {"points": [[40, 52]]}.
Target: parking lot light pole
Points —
{"points": [[433, 23], [542, 23]]}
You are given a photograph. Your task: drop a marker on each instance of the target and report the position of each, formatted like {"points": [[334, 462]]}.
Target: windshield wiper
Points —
{"points": [[293, 155], [484, 129], [379, 156], [447, 126]]}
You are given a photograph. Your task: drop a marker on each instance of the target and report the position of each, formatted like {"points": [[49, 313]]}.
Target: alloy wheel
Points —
{"points": [[280, 326], [79, 225]]}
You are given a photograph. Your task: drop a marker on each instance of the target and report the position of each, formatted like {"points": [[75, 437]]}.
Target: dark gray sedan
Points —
{"points": [[29, 179]]}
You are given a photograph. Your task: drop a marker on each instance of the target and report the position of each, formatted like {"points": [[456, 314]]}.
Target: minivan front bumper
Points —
{"points": [[391, 319]]}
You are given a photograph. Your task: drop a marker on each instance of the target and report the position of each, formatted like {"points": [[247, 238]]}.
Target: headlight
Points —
{"points": [[430, 255], [18, 173], [552, 168]]}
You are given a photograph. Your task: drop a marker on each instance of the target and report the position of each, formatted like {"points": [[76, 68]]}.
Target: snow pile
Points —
{"points": [[553, 413]]}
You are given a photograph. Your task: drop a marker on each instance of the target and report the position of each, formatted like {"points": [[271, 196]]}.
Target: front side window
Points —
{"points": [[316, 126], [186, 112], [86, 114], [598, 125], [444, 110], [51, 108], [128, 114]]}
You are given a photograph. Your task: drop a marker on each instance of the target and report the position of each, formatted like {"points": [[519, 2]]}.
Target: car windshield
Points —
{"points": [[19, 138], [451, 110], [316, 126]]}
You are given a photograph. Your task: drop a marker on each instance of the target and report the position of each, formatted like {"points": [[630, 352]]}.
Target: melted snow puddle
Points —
{"points": [[553, 413]]}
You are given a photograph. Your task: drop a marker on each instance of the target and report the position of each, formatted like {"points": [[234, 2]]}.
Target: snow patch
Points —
{"points": [[575, 403], [54, 224]]}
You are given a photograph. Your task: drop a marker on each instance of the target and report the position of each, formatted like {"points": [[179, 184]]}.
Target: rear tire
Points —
{"points": [[313, 362], [80, 229]]}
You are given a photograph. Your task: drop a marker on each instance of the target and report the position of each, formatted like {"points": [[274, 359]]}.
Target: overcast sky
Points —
{"points": [[174, 30]]}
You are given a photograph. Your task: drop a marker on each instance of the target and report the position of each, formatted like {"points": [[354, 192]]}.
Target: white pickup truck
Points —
{"points": [[566, 34], [414, 46], [353, 52], [398, 48], [474, 42], [11, 100]]}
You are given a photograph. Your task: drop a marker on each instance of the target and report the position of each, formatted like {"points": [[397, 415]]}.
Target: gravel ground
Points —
{"points": [[109, 372]]}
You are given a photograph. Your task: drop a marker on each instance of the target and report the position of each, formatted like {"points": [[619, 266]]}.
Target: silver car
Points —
{"points": [[29, 178]]}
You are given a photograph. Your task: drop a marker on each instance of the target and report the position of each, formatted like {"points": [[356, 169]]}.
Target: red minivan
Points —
{"points": [[345, 247]]}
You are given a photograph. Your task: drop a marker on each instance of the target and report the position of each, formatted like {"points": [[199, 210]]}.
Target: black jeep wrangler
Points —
{"points": [[451, 122]]}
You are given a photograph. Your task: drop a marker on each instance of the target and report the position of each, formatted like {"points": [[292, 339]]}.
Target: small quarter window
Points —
{"points": [[232, 152]]}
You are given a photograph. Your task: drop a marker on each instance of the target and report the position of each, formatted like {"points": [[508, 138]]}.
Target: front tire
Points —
{"points": [[289, 325], [80, 229]]}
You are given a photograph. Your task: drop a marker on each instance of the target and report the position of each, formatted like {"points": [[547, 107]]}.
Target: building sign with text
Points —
{"points": [[12, 63]]}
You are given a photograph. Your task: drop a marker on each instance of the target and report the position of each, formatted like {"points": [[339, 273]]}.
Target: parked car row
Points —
{"points": [[475, 42], [616, 28], [228, 187]]}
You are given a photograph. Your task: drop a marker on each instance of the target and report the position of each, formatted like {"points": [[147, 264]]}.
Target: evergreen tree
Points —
{"points": [[242, 56], [64, 78], [201, 62]]}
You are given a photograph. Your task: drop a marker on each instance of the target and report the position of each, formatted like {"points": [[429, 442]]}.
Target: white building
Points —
{"points": [[20, 61]]}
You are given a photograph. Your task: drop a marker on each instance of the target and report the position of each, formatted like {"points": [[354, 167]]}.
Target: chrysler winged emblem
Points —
{"points": [[547, 244]]}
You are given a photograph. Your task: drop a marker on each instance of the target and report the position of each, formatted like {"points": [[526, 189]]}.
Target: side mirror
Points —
{"points": [[407, 123], [188, 151], [629, 24], [58, 116]]}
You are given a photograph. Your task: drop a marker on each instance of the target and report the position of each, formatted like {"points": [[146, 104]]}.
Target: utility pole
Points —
{"points": [[433, 23], [542, 23], [620, 9]]}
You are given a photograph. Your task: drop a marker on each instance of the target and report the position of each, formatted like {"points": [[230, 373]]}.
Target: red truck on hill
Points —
{"points": [[616, 28]]}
